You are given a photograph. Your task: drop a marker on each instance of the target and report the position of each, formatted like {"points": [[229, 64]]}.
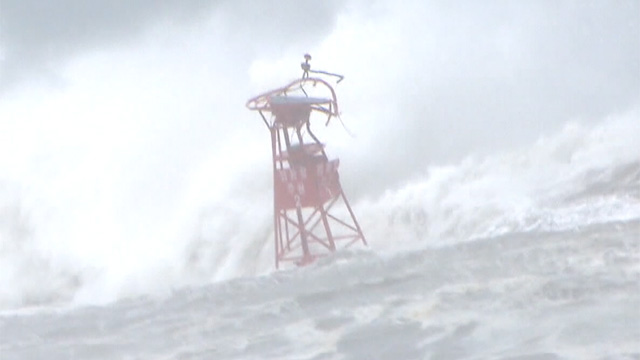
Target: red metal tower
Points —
{"points": [[312, 216]]}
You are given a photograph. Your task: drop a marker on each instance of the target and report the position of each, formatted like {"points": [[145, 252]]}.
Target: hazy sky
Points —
{"points": [[38, 37], [119, 112]]}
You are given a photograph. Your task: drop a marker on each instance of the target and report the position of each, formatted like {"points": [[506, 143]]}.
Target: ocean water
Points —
{"points": [[532, 253]]}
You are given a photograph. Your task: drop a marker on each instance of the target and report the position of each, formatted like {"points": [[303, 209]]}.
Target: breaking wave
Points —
{"points": [[581, 176]]}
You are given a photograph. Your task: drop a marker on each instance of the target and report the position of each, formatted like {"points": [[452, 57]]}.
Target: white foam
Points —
{"points": [[526, 190]]}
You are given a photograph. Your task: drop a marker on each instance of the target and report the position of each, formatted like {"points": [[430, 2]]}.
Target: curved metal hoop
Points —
{"points": [[262, 101]]}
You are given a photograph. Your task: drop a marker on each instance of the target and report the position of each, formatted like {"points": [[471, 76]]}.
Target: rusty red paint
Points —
{"points": [[312, 216]]}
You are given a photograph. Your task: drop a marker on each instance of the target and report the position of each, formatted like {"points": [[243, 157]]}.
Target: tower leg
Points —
{"points": [[277, 237], [327, 228], [353, 217], [303, 237]]}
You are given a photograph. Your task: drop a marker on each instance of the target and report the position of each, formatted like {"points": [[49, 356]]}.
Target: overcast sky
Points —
{"points": [[39, 37], [117, 111]]}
